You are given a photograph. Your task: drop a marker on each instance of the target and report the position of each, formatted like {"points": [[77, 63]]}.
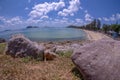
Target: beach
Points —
{"points": [[94, 36], [61, 67]]}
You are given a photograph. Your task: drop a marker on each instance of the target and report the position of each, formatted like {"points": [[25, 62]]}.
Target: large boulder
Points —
{"points": [[99, 60], [20, 46]]}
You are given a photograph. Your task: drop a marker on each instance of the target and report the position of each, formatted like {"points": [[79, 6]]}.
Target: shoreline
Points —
{"points": [[94, 36], [90, 36]]}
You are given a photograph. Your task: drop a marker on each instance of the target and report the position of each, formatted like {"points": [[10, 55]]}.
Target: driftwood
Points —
{"points": [[99, 60]]}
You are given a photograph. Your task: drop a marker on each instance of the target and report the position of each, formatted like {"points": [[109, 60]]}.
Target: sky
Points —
{"points": [[57, 13]]}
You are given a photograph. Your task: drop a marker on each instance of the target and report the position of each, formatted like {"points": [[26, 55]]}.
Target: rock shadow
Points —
{"points": [[77, 73]]}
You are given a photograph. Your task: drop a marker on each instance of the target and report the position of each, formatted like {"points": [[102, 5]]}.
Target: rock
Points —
{"points": [[99, 60], [20, 46], [48, 55], [75, 46], [48, 46], [63, 49], [2, 40], [53, 49]]}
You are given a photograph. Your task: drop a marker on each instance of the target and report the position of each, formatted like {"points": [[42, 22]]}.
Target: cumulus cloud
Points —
{"points": [[63, 20], [118, 15], [12, 21], [74, 6], [79, 20], [2, 19], [32, 21], [105, 19], [88, 17], [44, 17], [41, 10], [114, 17]]}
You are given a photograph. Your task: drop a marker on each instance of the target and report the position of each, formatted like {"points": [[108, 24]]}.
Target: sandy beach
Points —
{"points": [[91, 35]]}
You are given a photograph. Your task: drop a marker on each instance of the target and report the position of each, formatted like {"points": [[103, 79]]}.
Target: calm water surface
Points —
{"points": [[47, 34]]}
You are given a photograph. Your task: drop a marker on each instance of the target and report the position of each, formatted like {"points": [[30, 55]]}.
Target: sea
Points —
{"points": [[46, 34]]}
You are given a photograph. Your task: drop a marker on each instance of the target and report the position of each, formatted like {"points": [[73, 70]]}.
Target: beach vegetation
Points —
{"points": [[95, 25], [2, 47], [62, 68], [66, 54]]}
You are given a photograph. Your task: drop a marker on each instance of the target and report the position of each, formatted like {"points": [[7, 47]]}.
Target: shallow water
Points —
{"points": [[47, 34]]}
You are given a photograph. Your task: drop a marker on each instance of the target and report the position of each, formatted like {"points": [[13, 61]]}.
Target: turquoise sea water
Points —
{"points": [[47, 34]]}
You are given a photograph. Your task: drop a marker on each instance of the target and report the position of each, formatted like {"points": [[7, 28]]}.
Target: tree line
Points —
{"points": [[95, 25]]}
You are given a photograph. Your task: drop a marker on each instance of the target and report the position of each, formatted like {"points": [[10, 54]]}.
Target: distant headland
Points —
{"points": [[32, 27]]}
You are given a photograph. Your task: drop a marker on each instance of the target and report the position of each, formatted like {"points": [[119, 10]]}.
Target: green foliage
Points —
{"points": [[112, 27], [2, 47], [66, 54], [94, 25], [77, 73], [26, 59], [115, 27], [105, 28]]}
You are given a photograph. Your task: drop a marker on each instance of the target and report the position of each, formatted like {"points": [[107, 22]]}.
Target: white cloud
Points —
{"points": [[105, 19], [88, 17], [118, 16], [72, 8], [79, 20], [100, 18], [65, 18], [86, 11], [44, 17], [1, 26], [114, 17], [56, 20], [40, 10], [26, 8], [59, 22], [32, 21], [2, 19], [12, 21]]}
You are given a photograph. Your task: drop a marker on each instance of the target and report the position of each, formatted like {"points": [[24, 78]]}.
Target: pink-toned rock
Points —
{"points": [[20, 46], [99, 60]]}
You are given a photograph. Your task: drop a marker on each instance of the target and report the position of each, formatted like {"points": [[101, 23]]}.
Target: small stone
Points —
{"points": [[48, 55]]}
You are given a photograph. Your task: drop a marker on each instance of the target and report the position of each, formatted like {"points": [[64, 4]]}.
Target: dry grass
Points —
{"points": [[61, 68], [2, 47]]}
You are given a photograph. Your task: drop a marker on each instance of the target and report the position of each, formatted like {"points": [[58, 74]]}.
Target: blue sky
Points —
{"points": [[57, 13]]}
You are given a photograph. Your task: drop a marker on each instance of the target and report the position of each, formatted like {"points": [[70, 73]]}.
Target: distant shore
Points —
{"points": [[94, 36]]}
